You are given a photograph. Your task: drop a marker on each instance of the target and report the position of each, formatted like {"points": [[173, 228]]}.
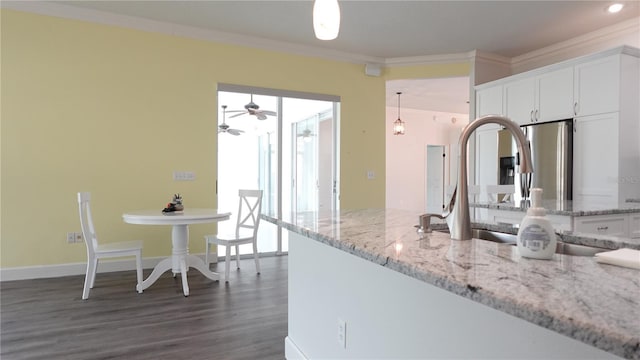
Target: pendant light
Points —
{"points": [[326, 19], [398, 125]]}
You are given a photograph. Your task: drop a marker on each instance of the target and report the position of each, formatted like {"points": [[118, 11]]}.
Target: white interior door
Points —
{"points": [[435, 179]]}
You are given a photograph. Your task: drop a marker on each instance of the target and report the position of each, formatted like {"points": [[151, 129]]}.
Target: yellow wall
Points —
{"points": [[114, 111]]}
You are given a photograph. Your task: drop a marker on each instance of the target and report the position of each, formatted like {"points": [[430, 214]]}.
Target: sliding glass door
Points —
{"points": [[287, 147]]}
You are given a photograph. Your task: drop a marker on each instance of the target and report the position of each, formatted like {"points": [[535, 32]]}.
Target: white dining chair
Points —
{"points": [[97, 251], [500, 193], [248, 221]]}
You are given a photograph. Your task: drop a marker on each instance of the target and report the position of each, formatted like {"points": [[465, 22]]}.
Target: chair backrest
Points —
{"points": [[494, 192], [249, 208], [86, 223]]}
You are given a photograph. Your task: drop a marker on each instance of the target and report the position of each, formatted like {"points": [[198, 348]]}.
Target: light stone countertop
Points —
{"points": [[567, 207], [594, 303]]}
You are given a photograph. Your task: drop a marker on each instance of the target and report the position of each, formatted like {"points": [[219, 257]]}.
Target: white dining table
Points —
{"points": [[180, 260]]}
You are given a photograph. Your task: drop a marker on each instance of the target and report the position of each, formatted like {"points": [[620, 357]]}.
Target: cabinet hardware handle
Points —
{"points": [[537, 116], [531, 116], [575, 108], [575, 123], [600, 228]]}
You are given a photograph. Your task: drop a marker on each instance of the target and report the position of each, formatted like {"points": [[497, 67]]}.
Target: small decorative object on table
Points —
{"points": [[174, 206]]}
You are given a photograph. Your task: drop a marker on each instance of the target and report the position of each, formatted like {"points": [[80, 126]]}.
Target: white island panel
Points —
{"points": [[394, 316]]}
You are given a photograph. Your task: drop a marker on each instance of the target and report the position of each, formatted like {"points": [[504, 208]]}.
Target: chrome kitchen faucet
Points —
{"points": [[457, 218]]}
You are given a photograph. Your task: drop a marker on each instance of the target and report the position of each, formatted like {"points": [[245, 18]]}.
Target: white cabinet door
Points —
{"points": [[545, 97], [597, 86], [596, 159], [489, 101], [519, 100], [554, 95]]}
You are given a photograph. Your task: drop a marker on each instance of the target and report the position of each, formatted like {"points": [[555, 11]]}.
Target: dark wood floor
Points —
{"points": [[244, 319]]}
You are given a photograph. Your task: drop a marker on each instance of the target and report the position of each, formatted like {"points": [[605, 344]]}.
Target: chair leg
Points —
{"points": [[227, 260], [87, 279], [139, 272], [93, 275], [207, 248], [256, 257], [238, 256]]}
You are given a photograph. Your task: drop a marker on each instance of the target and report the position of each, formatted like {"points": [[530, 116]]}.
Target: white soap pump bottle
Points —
{"points": [[536, 236]]}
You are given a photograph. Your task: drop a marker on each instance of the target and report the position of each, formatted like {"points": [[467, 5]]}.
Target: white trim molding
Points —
{"points": [[72, 269], [291, 351]]}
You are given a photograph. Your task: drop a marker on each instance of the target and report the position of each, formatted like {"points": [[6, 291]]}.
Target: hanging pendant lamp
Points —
{"points": [[398, 125], [326, 19]]}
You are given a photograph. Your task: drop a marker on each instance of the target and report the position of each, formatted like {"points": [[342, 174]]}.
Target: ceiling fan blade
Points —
{"points": [[234, 111], [240, 114], [268, 112], [235, 132]]}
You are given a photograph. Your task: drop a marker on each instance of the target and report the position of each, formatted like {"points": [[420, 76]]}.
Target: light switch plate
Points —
{"points": [[184, 176]]}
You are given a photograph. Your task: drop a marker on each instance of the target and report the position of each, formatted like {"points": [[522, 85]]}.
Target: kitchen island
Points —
{"points": [[363, 283]]}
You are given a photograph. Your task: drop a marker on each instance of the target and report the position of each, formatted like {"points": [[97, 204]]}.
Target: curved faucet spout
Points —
{"points": [[458, 219]]}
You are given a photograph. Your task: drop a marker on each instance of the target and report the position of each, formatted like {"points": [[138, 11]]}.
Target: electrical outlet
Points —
{"points": [[342, 333], [78, 237], [71, 237]]}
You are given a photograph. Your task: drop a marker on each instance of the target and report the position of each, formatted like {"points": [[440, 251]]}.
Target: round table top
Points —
{"points": [[185, 217]]}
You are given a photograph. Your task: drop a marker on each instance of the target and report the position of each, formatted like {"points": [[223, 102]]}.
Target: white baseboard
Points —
{"points": [[291, 351], [59, 270]]}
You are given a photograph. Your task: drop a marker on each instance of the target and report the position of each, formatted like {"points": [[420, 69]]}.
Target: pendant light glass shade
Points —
{"points": [[398, 125], [326, 19]]}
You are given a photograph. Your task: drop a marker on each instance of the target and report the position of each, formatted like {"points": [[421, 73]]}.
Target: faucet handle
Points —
{"points": [[425, 222]]}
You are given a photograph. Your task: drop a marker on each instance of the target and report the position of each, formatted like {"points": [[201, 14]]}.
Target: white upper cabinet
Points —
{"points": [[597, 86], [540, 98], [489, 101], [554, 95], [519, 99]]}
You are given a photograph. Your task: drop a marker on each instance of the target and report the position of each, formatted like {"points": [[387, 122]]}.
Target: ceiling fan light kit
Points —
{"points": [[326, 19]]}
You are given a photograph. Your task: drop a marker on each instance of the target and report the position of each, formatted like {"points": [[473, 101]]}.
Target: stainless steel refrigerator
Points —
{"points": [[551, 146]]}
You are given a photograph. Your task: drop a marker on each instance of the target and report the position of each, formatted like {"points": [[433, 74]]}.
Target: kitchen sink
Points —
{"points": [[511, 239], [488, 235]]}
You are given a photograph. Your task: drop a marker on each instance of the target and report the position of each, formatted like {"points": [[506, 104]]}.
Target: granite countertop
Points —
{"points": [[595, 303], [568, 207]]}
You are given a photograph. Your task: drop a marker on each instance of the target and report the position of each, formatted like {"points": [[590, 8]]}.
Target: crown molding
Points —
{"points": [[573, 47], [429, 59], [137, 23], [490, 58]]}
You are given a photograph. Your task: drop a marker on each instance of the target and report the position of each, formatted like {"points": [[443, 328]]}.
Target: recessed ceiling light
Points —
{"points": [[614, 8]]}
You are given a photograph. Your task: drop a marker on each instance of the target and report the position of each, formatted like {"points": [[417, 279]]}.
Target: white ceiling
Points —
{"points": [[376, 31]]}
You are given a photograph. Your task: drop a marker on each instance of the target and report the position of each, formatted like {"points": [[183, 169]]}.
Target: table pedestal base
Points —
{"points": [[179, 262]]}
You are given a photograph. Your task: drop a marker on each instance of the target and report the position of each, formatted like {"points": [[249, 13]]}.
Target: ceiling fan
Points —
{"points": [[224, 128], [306, 134], [253, 109]]}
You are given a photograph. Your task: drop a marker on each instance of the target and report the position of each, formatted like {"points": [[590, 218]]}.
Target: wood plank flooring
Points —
{"points": [[244, 319]]}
